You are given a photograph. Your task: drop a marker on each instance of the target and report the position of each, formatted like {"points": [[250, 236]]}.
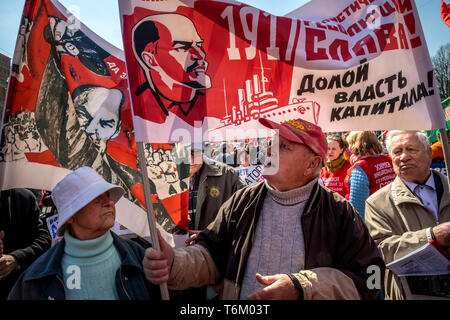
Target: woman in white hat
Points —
{"points": [[91, 262]]}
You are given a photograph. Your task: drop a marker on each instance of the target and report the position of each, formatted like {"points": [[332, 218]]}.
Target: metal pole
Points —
{"points": [[149, 208], [446, 151]]}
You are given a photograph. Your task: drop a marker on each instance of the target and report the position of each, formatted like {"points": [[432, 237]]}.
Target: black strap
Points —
{"points": [[297, 285], [432, 234]]}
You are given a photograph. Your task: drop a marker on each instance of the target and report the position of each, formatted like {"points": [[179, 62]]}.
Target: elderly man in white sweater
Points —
{"points": [[284, 238]]}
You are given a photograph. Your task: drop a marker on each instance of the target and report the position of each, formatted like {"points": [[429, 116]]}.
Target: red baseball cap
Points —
{"points": [[301, 131]]}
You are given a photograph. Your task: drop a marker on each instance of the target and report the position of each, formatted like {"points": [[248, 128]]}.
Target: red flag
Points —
{"points": [[445, 13], [68, 106]]}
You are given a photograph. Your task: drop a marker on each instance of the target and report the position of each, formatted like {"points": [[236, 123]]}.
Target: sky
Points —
{"points": [[102, 16]]}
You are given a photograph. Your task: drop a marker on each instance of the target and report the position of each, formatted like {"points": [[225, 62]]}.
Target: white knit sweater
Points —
{"points": [[278, 245]]}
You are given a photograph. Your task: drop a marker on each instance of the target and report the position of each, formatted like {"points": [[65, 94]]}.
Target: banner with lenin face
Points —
{"points": [[211, 69]]}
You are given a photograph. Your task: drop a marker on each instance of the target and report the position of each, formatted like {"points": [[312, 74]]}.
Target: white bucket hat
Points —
{"points": [[76, 190]]}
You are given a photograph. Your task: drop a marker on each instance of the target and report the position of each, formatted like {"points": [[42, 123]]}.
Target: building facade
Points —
{"points": [[5, 64]]}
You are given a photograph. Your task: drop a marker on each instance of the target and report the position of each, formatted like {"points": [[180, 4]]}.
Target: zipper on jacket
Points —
{"points": [[123, 286]]}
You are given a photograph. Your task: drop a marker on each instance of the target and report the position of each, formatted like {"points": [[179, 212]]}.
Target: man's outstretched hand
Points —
{"points": [[278, 287]]}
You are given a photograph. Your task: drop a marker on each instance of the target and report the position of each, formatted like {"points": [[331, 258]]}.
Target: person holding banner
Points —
{"points": [[284, 238], [249, 171], [413, 209], [79, 133], [91, 262], [23, 236], [334, 172], [371, 170]]}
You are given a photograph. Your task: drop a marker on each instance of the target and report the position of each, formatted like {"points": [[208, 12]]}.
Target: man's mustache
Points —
{"points": [[193, 66]]}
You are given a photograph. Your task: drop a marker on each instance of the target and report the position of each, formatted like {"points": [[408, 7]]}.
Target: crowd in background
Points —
{"points": [[347, 170], [357, 165]]}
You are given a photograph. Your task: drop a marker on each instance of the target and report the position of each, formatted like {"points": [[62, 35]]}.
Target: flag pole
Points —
{"points": [[149, 209], [446, 151]]}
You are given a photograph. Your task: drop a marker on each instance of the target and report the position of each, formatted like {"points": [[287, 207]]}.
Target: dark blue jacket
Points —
{"points": [[43, 280], [26, 236]]}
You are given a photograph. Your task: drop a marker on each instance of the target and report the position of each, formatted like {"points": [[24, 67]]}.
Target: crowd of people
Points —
{"points": [[338, 205], [237, 153]]}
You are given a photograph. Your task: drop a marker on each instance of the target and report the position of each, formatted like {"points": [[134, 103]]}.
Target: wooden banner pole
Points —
{"points": [[149, 208]]}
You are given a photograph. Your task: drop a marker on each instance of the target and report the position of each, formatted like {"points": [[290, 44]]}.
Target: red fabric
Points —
{"points": [[219, 66], [45, 157], [172, 205], [445, 13], [175, 205], [378, 169], [334, 180]]}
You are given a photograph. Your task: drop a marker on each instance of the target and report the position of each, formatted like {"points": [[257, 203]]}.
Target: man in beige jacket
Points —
{"points": [[284, 238], [413, 209]]}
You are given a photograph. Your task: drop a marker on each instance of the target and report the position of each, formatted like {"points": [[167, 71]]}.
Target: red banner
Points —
{"points": [[445, 13], [219, 66], [68, 106]]}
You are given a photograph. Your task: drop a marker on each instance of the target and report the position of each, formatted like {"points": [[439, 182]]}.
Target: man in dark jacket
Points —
{"points": [[211, 183], [90, 263], [22, 234], [284, 238]]}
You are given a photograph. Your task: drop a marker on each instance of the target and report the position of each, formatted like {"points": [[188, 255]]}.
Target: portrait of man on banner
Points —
{"points": [[169, 51], [68, 106], [98, 110]]}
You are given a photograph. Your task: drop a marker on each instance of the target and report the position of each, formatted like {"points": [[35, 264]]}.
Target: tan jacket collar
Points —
{"points": [[401, 193]]}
